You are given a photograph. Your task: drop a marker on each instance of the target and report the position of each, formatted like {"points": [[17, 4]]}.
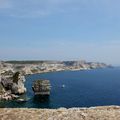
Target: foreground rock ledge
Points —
{"points": [[95, 113]]}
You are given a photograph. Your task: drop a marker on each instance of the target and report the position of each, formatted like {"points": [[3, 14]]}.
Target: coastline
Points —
{"points": [[27, 67], [73, 70], [92, 113]]}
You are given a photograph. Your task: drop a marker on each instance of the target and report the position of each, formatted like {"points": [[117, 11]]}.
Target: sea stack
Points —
{"points": [[41, 87]]}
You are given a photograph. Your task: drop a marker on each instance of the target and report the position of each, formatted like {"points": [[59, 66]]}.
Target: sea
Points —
{"points": [[84, 88]]}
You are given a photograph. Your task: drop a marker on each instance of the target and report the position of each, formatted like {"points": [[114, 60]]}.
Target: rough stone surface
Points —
{"points": [[2, 90], [41, 87], [96, 113], [19, 88], [12, 85]]}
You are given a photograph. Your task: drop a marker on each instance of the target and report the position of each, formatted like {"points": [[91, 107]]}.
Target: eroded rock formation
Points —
{"points": [[41, 87], [18, 84], [11, 86]]}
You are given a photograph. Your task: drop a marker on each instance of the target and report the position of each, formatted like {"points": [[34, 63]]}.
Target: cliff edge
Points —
{"points": [[93, 113]]}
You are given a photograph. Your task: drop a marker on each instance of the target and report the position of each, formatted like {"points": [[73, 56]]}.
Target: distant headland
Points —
{"points": [[12, 73], [34, 67]]}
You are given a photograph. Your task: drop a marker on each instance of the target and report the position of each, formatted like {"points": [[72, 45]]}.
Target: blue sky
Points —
{"points": [[60, 30]]}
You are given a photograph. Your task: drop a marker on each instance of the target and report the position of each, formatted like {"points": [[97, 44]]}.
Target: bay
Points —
{"points": [[86, 88]]}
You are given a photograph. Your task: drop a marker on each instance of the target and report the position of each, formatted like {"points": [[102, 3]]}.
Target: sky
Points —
{"points": [[60, 30]]}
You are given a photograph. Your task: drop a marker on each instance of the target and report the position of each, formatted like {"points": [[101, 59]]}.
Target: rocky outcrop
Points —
{"points": [[18, 84], [6, 82], [2, 89], [97, 113], [8, 96], [41, 87], [12, 85]]}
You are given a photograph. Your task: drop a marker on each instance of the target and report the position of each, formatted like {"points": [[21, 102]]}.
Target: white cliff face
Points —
{"points": [[19, 88], [29, 68], [9, 87]]}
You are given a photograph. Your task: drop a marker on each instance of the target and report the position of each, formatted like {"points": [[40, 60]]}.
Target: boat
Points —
{"points": [[63, 86]]}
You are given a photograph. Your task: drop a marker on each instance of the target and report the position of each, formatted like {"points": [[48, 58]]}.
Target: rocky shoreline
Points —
{"points": [[34, 67], [12, 84], [7, 69], [93, 113]]}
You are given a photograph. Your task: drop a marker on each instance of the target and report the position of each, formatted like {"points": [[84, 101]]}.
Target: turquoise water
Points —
{"points": [[82, 89]]}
